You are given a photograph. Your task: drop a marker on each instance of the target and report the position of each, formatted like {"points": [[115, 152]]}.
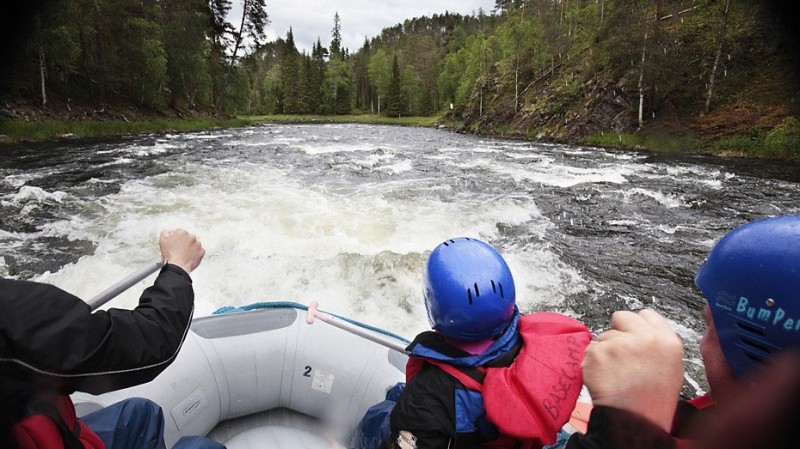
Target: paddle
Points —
{"points": [[352, 328], [124, 284]]}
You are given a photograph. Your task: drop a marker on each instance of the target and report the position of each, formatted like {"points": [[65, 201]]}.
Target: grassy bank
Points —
{"points": [[367, 119], [15, 131], [782, 142]]}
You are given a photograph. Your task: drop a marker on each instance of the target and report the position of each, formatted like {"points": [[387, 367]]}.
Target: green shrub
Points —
{"points": [[672, 144], [783, 142], [614, 140]]}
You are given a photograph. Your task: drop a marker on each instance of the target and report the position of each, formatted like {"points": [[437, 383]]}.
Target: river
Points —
{"points": [[346, 215]]}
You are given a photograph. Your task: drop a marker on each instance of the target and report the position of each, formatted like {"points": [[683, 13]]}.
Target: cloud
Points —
{"points": [[360, 19]]}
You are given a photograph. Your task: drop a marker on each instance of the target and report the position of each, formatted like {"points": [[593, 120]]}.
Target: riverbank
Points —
{"points": [[783, 142], [19, 130]]}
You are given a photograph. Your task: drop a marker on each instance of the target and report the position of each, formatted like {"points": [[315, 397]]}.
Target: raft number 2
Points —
{"points": [[320, 381]]}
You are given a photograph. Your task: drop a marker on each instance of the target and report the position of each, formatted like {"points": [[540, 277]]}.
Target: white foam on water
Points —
{"points": [[141, 150], [548, 171], [666, 200], [271, 237], [17, 180], [32, 196], [328, 148]]}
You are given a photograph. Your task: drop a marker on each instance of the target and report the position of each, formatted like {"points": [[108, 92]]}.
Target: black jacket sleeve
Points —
{"points": [[51, 337], [611, 428], [425, 411]]}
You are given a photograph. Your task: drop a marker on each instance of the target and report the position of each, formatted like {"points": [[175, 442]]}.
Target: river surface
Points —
{"points": [[347, 214]]}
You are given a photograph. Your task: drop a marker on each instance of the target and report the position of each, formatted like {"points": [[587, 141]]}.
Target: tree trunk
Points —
{"points": [[656, 37], [100, 60], [245, 6], [720, 41], [226, 79], [641, 82], [42, 71], [516, 87], [480, 107], [213, 72], [602, 9]]}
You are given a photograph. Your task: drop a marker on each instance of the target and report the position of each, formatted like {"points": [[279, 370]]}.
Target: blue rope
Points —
{"points": [[296, 305]]}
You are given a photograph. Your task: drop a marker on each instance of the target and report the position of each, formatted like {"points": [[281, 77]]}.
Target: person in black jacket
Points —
{"points": [[634, 371], [465, 375], [51, 345]]}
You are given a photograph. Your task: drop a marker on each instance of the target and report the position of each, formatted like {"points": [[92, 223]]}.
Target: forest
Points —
{"points": [[707, 75]]}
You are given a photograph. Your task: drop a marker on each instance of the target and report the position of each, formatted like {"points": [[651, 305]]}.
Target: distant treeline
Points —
{"points": [[184, 55]]}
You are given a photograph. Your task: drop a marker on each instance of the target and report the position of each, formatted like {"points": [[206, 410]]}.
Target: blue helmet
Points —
{"points": [[751, 281], [469, 291]]}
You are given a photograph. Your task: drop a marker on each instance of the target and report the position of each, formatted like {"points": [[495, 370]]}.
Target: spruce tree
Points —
{"points": [[290, 72], [393, 97]]}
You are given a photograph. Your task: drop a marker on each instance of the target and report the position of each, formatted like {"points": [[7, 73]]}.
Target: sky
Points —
{"points": [[312, 19]]}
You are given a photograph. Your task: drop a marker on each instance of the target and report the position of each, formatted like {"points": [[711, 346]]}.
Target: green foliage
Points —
{"points": [[411, 94], [524, 69], [784, 140], [614, 140], [369, 119], [62, 50], [237, 97], [290, 78], [272, 89], [336, 38], [672, 144], [521, 48], [337, 89], [450, 77], [17, 130], [316, 79], [657, 142], [380, 73], [394, 101], [466, 70], [752, 145], [148, 62], [187, 49]]}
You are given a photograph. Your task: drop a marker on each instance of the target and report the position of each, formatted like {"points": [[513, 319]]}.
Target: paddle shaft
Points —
{"points": [[126, 283], [353, 329]]}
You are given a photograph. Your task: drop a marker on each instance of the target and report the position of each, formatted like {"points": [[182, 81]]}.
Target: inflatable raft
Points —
{"points": [[267, 378]]}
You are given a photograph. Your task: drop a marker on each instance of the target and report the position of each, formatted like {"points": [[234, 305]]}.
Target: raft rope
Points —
{"points": [[296, 305]]}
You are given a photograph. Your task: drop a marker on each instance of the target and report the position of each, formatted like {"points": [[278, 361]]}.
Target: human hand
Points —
{"points": [[636, 366], [181, 248]]}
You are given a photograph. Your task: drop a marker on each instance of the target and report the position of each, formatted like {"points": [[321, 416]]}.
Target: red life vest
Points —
{"points": [[531, 399], [54, 425]]}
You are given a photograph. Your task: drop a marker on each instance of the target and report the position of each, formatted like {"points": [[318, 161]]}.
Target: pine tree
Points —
{"points": [[220, 30], [361, 74], [336, 38], [307, 93], [185, 29], [394, 105], [290, 81]]}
